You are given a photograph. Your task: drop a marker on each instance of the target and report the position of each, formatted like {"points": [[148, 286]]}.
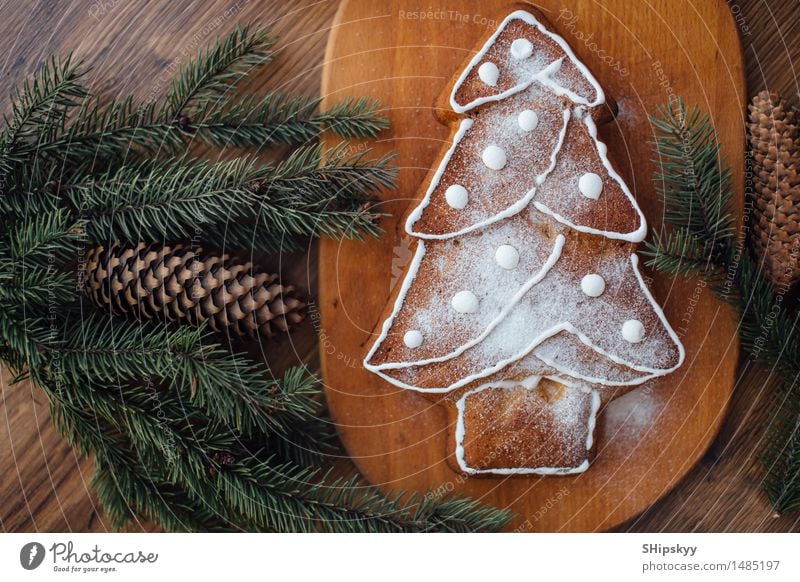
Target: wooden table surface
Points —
{"points": [[44, 486]]}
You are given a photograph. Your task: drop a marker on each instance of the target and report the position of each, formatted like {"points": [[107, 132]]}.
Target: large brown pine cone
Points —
{"points": [[178, 283], [773, 135]]}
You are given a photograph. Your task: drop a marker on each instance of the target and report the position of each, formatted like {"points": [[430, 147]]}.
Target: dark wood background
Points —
{"points": [[44, 486]]}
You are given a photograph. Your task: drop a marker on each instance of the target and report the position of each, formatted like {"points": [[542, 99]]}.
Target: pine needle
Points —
{"points": [[211, 78], [695, 184], [184, 431]]}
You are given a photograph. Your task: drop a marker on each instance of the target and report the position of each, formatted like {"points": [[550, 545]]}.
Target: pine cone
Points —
{"points": [[774, 143], [177, 283]]}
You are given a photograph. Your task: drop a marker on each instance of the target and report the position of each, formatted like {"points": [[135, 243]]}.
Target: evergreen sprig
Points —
{"points": [[188, 360], [701, 240], [210, 79], [256, 490], [39, 109], [306, 194], [278, 119], [183, 430], [53, 124]]}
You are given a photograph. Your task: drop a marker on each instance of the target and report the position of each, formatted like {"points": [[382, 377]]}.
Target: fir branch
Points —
{"points": [[306, 444], [252, 234], [212, 76], [296, 499], [254, 491], [39, 108], [157, 200], [125, 486], [334, 187], [459, 515], [33, 289], [284, 120], [115, 130], [103, 135], [354, 118], [120, 129], [45, 239], [126, 490], [30, 190], [20, 343], [197, 106], [227, 386], [243, 396], [680, 252], [307, 194], [696, 187], [781, 458], [693, 179]]}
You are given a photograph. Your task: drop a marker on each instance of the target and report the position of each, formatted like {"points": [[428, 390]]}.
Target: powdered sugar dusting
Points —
{"points": [[632, 415], [468, 262], [494, 187], [581, 193], [555, 303], [528, 297], [489, 438], [550, 61]]}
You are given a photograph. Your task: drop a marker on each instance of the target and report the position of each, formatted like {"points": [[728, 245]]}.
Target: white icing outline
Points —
{"points": [[398, 302], [542, 76], [547, 334], [515, 208], [528, 383], [635, 236], [555, 254]]}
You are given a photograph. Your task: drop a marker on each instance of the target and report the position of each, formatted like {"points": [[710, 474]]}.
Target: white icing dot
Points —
{"points": [[633, 331], [489, 73], [591, 185], [465, 302], [528, 120], [412, 338], [521, 48], [507, 257], [456, 196], [494, 157], [593, 285]]}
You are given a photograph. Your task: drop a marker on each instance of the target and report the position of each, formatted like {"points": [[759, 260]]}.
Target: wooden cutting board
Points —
{"points": [[643, 53]]}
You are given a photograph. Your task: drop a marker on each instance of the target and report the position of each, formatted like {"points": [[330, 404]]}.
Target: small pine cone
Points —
{"points": [[775, 144], [177, 283]]}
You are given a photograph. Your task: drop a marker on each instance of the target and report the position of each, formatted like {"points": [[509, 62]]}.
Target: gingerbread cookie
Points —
{"points": [[524, 307]]}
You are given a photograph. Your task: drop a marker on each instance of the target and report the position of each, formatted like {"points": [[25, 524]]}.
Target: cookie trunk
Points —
{"points": [[537, 426]]}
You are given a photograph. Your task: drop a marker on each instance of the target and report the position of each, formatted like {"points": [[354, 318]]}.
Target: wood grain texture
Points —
{"points": [[403, 53], [43, 486], [133, 47]]}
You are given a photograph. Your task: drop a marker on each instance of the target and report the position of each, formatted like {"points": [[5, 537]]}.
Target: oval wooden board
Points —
{"points": [[642, 52]]}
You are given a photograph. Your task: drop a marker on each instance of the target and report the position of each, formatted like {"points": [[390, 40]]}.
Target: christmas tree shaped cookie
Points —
{"points": [[523, 308]]}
